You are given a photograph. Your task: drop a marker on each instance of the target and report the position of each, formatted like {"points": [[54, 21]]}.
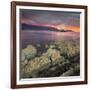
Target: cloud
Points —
{"points": [[50, 17]]}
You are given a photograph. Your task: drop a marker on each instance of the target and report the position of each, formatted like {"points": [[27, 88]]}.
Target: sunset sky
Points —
{"points": [[56, 19]]}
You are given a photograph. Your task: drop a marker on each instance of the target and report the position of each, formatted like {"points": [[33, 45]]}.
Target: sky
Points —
{"points": [[58, 19]]}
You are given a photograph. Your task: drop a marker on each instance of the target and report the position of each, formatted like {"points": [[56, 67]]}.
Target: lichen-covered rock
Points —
{"points": [[38, 45], [28, 53], [36, 64], [52, 46], [52, 53], [49, 60], [46, 46]]}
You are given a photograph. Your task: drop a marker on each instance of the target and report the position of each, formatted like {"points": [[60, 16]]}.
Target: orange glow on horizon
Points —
{"points": [[66, 27], [74, 28], [58, 26]]}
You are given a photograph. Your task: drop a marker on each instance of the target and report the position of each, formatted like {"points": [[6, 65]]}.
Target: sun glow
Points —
{"points": [[67, 27], [61, 26], [57, 26], [74, 28]]}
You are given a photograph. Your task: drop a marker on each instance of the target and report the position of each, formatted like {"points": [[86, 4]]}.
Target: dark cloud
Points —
{"points": [[51, 17]]}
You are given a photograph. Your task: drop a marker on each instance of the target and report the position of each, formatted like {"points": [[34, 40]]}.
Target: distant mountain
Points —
{"points": [[42, 28]]}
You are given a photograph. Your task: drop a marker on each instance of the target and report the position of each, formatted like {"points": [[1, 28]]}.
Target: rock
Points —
{"points": [[52, 46], [52, 53], [28, 53]]}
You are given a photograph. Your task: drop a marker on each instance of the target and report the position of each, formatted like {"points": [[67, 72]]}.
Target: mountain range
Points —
{"points": [[42, 28]]}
